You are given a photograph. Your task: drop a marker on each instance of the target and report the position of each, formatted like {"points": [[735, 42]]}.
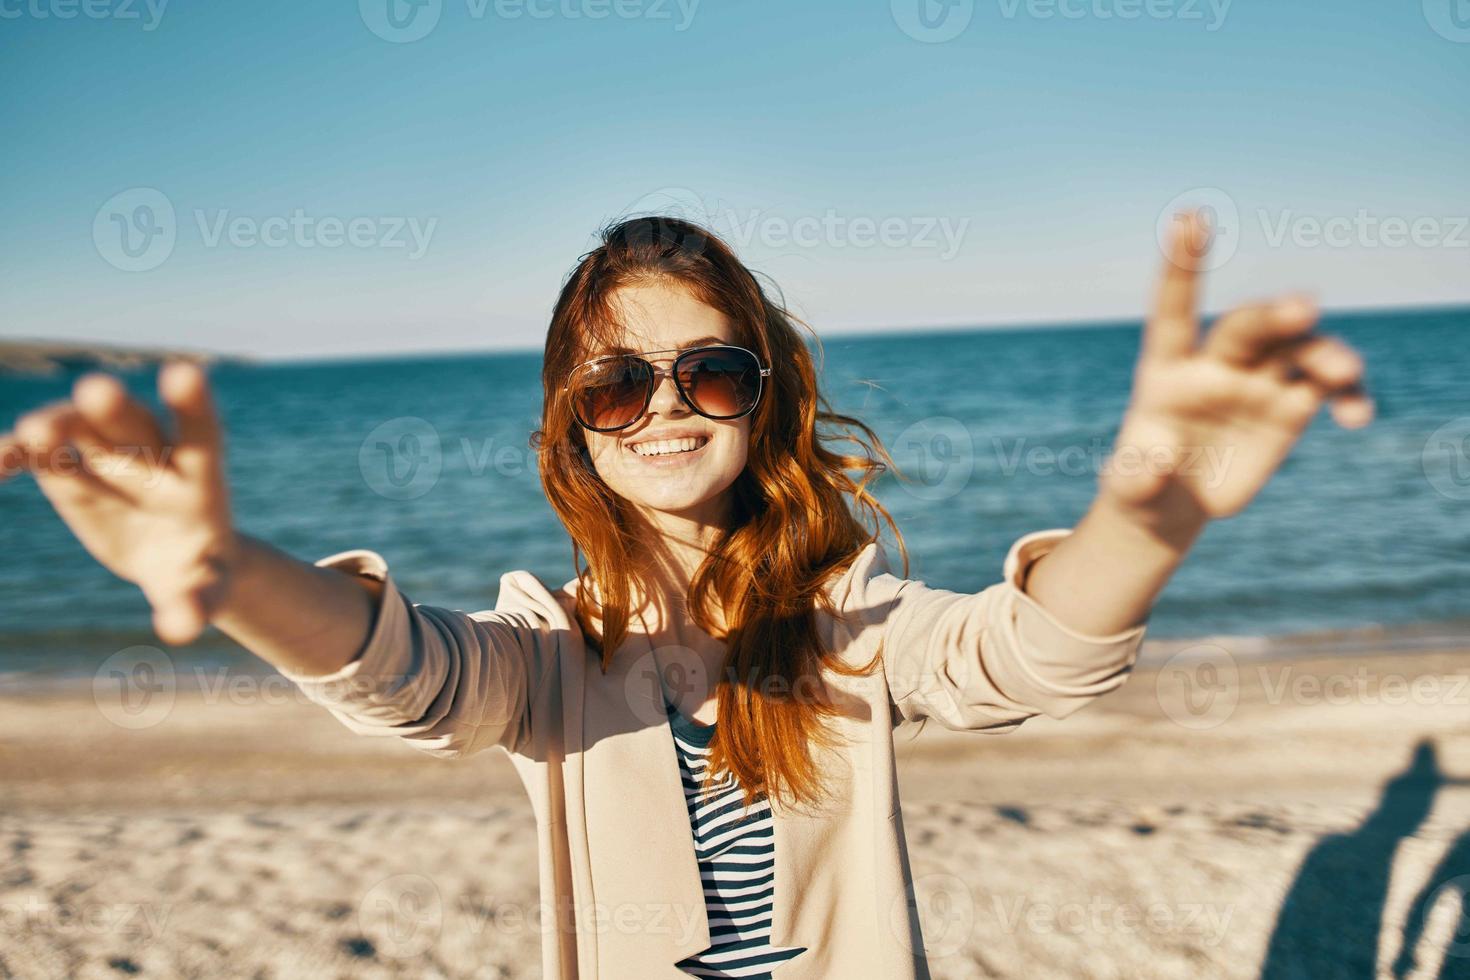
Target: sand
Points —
{"points": [[247, 834]]}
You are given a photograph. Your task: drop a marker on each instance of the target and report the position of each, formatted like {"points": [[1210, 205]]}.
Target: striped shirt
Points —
{"points": [[736, 850]]}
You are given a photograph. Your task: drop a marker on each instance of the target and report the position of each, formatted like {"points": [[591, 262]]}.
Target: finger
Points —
{"points": [[41, 435], [1173, 327], [1337, 371], [45, 437], [117, 417], [58, 442], [124, 471], [1352, 409], [185, 388], [1252, 334], [1326, 360]]}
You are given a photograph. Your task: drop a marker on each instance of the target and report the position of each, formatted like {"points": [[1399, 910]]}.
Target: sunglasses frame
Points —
{"points": [[658, 375]]}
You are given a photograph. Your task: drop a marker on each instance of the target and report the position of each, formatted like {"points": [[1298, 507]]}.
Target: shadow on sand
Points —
{"points": [[1329, 924]]}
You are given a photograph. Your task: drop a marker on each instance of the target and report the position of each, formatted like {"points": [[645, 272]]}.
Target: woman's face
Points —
{"points": [[668, 318]]}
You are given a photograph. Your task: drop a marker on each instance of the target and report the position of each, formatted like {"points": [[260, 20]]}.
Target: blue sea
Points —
{"points": [[1363, 536]]}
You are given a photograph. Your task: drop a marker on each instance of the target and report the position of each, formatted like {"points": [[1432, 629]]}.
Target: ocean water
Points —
{"points": [[426, 461]]}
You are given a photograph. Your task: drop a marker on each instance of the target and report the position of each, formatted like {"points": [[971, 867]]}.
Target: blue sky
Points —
{"points": [[310, 179]]}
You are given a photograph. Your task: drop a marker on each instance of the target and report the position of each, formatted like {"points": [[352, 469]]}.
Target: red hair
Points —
{"points": [[792, 528]]}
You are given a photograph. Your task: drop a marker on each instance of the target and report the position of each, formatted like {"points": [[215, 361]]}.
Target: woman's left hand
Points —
{"points": [[1209, 422]]}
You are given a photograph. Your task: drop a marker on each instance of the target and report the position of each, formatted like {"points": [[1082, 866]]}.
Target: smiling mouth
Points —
{"points": [[665, 448]]}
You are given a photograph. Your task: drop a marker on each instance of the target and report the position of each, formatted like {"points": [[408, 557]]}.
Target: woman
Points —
{"points": [[749, 711]]}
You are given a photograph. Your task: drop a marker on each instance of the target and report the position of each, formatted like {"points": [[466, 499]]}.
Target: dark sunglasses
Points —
{"points": [[719, 382]]}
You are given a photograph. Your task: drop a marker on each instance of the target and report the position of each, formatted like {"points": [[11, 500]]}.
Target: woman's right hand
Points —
{"points": [[152, 507]]}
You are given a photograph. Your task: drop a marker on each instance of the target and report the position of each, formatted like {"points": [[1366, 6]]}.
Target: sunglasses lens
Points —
{"points": [[722, 383], [610, 393]]}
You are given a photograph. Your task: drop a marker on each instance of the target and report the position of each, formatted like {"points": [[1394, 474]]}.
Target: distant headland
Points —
{"points": [[48, 357]]}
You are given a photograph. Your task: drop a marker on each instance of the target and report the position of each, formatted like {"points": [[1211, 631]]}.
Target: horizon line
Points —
{"points": [[917, 330]]}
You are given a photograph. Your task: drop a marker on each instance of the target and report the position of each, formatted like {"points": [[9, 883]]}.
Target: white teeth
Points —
{"points": [[665, 447]]}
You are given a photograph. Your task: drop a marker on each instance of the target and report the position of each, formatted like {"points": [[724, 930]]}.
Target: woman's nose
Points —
{"points": [[666, 398]]}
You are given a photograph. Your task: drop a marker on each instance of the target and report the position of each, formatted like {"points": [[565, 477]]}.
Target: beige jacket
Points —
{"points": [[596, 754]]}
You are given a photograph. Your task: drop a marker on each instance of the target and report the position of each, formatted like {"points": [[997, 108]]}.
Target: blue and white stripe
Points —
{"points": [[736, 850]]}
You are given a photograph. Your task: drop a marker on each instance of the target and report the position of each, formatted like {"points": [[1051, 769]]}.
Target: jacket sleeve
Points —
{"points": [[449, 683], [984, 661]]}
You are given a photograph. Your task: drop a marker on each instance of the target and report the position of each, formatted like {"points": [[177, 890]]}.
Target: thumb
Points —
{"points": [[179, 619]]}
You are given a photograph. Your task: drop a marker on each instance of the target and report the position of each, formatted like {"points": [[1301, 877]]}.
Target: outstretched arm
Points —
{"points": [[153, 507], [1207, 426]]}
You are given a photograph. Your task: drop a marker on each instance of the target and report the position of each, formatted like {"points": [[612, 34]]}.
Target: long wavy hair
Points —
{"points": [[792, 528]]}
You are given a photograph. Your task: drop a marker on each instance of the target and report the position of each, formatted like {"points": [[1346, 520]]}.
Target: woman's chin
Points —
{"points": [[702, 501]]}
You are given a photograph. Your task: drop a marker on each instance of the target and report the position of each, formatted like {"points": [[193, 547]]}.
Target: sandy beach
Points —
{"points": [[1158, 833]]}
